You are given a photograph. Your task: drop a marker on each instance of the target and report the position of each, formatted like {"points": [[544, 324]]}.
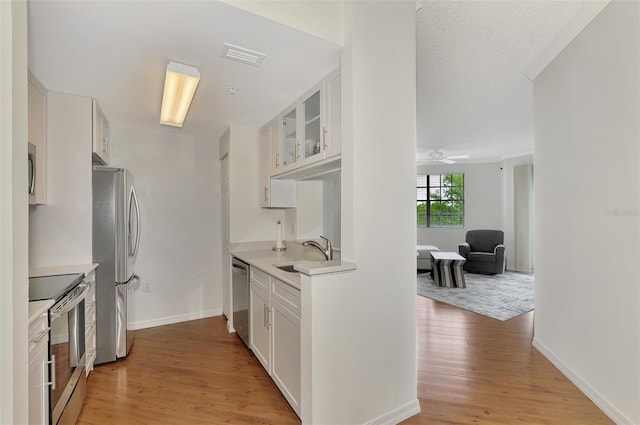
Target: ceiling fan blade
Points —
{"points": [[447, 161], [458, 157]]}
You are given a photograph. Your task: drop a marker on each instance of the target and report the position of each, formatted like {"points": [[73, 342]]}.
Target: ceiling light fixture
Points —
{"points": [[180, 85], [232, 90]]}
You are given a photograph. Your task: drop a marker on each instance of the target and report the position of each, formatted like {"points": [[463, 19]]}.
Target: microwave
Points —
{"points": [[31, 165]]}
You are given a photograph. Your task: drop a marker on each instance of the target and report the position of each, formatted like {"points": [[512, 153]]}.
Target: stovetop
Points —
{"points": [[52, 287]]}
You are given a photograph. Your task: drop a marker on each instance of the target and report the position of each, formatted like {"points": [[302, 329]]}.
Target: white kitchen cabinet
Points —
{"points": [[275, 313], [39, 370], [260, 329], [273, 193], [332, 130], [37, 134], [101, 135], [90, 322], [275, 148], [312, 123], [285, 358], [301, 130], [309, 130]]}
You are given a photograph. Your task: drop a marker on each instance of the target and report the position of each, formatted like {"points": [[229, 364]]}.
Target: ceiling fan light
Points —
{"points": [[180, 85]]}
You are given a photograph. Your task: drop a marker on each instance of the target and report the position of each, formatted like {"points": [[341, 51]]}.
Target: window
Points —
{"points": [[440, 200]]}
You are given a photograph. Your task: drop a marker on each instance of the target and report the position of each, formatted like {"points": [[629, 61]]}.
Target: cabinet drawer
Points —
{"points": [[38, 331], [286, 295], [260, 279]]}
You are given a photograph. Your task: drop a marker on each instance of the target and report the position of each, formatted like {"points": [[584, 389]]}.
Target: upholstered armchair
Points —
{"points": [[484, 251]]}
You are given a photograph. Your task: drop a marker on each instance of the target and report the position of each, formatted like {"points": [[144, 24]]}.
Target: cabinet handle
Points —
{"points": [[266, 194], [52, 362], [324, 137], [264, 315], [270, 317], [277, 159], [297, 151], [38, 338]]}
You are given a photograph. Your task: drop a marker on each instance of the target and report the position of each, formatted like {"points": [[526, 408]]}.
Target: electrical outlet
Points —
{"points": [[146, 286]]}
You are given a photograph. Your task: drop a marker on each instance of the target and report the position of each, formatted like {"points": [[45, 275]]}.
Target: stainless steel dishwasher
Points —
{"points": [[240, 298]]}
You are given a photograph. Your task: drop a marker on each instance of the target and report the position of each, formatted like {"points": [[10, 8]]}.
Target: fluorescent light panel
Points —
{"points": [[180, 85]]}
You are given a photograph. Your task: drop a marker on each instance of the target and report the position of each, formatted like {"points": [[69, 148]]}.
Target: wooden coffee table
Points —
{"points": [[446, 269]]}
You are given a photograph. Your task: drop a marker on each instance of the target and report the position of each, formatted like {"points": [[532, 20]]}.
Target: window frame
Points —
{"points": [[428, 201]]}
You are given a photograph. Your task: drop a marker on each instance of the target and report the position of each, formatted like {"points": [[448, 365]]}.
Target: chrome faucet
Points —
{"points": [[328, 251]]}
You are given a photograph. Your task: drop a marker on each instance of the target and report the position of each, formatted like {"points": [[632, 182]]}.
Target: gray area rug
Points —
{"points": [[502, 297]]}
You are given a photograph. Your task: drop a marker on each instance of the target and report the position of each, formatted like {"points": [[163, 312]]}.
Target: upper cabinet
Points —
{"points": [[273, 193], [37, 135], [101, 134], [332, 129], [310, 129]]}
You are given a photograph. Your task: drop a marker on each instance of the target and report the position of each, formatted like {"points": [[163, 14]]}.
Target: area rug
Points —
{"points": [[502, 297]]}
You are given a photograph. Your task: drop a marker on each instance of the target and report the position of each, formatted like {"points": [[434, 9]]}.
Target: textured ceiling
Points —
{"points": [[472, 94]]}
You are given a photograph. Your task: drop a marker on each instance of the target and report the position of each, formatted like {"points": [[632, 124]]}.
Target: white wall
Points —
{"points": [[587, 198], [359, 328], [60, 232], [177, 180], [508, 204], [249, 222], [483, 203], [13, 213]]}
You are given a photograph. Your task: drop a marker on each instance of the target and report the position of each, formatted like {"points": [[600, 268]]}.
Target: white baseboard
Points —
{"points": [[598, 399], [176, 319], [397, 415]]}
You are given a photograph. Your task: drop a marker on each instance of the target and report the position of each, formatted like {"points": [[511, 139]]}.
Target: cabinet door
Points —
{"points": [[289, 138], [101, 134], [265, 175], [285, 365], [38, 388], [332, 130], [311, 107], [90, 322], [260, 329], [37, 134], [275, 148]]}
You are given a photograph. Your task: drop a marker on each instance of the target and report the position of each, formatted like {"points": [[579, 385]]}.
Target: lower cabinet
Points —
{"points": [[90, 322], [285, 360], [260, 330], [39, 370], [275, 332]]}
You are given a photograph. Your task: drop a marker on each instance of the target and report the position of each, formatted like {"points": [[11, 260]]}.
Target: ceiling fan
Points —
{"points": [[439, 156]]}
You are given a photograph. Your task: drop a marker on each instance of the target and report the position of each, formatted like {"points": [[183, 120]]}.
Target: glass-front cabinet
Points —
{"points": [[290, 138], [312, 128], [302, 131], [309, 130]]}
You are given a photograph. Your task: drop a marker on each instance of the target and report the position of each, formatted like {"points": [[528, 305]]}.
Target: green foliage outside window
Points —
{"points": [[440, 200]]}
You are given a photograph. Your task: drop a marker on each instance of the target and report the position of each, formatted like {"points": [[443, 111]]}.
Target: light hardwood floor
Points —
{"points": [[471, 369]]}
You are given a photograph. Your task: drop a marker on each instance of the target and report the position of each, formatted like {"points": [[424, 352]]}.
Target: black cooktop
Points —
{"points": [[52, 287]]}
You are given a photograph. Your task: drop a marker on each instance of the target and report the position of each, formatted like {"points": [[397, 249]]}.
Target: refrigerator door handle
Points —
{"points": [[133, 245]]}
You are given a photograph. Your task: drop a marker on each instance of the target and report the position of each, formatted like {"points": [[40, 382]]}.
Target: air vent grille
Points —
{"points": [[240, 54]]}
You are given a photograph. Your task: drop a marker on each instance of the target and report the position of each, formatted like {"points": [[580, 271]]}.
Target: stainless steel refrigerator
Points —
{"points": [[116, 239]]}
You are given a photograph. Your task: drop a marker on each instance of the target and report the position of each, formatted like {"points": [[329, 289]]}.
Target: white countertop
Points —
{"points": [[36, 308], [66, 269], [264, 259]]}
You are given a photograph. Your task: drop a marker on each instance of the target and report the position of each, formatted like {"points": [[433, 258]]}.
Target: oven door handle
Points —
{"points": [[70, 305]]}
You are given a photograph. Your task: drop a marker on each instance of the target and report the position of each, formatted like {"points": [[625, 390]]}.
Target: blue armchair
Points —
{"points": [[484, 251]]}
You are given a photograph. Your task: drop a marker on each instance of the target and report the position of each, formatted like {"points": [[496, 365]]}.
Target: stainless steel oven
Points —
{"points": [[67, 343]]}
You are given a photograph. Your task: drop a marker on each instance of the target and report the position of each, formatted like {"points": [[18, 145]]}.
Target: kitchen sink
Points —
{"points": [[286, 267]]}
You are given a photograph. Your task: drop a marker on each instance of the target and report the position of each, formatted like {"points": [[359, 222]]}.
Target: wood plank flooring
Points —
{"points": [[471, 370]]}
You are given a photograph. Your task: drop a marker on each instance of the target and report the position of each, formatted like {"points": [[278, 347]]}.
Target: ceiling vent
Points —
{"points": [[240, 54]]}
